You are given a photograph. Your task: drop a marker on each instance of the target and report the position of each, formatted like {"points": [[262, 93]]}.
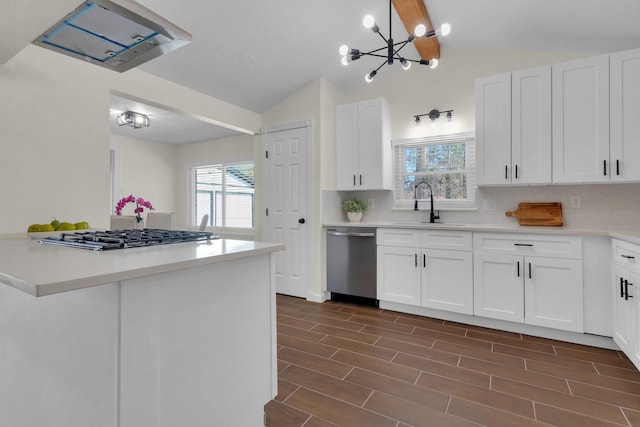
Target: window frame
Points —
{"points": [[193, 221], [398, 176]]}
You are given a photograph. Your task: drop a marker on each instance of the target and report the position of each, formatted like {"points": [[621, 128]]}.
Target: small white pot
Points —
{"points": [[354, 216]]}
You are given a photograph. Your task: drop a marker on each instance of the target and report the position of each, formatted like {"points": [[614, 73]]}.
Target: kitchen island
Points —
{"points": [[168, 335]]}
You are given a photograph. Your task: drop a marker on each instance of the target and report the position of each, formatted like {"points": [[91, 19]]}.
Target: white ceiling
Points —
{"points": [[255, 53]]}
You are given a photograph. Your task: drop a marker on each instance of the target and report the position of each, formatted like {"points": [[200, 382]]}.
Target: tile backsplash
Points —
{"points": [[601, 207]]}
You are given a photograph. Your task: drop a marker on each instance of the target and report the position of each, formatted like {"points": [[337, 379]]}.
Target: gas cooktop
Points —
{"points": [[123, 239]]}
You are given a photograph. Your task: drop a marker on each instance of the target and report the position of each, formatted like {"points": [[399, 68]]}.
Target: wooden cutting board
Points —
{"points": [[549, 214]]}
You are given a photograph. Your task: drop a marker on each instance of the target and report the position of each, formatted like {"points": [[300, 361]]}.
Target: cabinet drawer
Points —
{"points": [[529, 244], [446, 239], [398, 237], [626, 254]]}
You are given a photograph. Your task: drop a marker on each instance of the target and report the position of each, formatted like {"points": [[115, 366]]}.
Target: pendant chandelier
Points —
{"points": [[392, 49]]}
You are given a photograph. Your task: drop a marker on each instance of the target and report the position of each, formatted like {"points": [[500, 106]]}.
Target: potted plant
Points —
{"points": [[354, 209]]}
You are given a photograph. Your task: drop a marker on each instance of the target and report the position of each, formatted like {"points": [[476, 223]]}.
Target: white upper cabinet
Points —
{"points": [[531, 126], [580, 105], [625, 116], [493, 129], [513, 128], [363, 146]]}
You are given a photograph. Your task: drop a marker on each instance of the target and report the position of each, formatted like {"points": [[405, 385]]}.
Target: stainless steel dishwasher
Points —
{"points": [[351, 264]]}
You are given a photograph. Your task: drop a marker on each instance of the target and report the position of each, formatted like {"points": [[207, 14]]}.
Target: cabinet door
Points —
{"points": [[447, 280], [580, 105], [493, 129], [498, 287], [374, 145], [399, 274], [625, 111], [346, 146], [531, 126], [624, 313], [553, 293]]}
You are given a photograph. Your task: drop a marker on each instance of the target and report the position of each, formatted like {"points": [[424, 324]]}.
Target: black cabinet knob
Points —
{"points": [[302, 221]]}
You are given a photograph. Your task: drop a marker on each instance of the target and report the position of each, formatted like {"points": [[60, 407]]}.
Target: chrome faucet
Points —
{"points": [[432, 215]]}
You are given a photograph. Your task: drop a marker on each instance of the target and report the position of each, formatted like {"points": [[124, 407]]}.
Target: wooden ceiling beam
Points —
{"points": [[412, 13]]}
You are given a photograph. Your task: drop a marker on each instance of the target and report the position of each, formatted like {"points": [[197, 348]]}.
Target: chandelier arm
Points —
{"points": [[395, 51], [371, 52], [383, 37], [374, 54], [381, 65]]}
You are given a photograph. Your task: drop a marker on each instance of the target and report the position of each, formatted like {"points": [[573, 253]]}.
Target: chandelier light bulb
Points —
{"points": [[433, 63], [368, 21], [420, 30], [444, 31], [405, 64], [344, 50], [369, 77], [345, 60]]}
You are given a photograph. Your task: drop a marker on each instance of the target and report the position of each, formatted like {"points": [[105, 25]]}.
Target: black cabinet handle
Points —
{"points": [[618, 167], [360, 179], [506, 171], [416, 259], [529, 270], [516, 171], [518, 264], [424, 260], [523, 244], [605, 167], [621, 287], [626, 290], [354, 179], [628, 256]]}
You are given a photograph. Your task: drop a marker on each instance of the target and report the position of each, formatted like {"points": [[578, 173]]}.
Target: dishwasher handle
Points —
{"points": [[350, 234]]}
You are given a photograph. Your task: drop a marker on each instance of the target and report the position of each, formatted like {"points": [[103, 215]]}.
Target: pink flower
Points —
{"points": [[140, 205]]}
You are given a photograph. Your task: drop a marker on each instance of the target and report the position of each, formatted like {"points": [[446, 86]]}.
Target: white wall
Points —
{"points": [[54, 134], [147, 170]]}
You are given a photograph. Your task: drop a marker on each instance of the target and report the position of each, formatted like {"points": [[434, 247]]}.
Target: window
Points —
{"points": [[226, 193], [445, 162]]}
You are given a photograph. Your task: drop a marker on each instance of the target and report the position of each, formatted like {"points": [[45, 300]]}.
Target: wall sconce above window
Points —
{"points": [[434, 115], [131, 118]]}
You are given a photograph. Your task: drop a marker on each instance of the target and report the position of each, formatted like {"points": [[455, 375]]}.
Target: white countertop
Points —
{"points": [[40, 269], [630, 235]]}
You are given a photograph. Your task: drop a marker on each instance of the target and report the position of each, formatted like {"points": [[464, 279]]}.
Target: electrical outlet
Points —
{"points": [[576, 203], [370, 203], [490, 205]]}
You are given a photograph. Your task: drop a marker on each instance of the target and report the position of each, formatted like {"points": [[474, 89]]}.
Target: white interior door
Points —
{"points": [[286, 207]]}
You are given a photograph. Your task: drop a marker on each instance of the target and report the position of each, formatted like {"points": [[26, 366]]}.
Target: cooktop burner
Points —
{"points": [[123, 239]]}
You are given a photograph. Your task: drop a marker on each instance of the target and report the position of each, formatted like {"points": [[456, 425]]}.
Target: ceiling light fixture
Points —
{"points": [[434, 115], [131, 118], [393, 49]]}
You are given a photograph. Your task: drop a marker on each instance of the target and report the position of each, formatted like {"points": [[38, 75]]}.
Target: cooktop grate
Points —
{"points": [[123, 239]]}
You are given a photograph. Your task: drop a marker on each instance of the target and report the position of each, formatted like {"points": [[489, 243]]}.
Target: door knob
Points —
{"points": [[301, 221]]}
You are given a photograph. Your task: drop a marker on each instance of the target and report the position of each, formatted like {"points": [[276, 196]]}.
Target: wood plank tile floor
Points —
{"points": [[351, 366]]}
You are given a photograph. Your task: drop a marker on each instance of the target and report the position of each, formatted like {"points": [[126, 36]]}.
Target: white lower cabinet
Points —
{"points": [[447, 280], [399, 275], [532, 279], [626, 305], [414, 269]]}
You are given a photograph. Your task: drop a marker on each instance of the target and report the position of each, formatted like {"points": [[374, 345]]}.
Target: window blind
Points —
{"points": [[446, 162]]}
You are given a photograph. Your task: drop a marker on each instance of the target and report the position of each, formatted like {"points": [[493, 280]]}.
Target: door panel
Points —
{"points": [[286, 189]]}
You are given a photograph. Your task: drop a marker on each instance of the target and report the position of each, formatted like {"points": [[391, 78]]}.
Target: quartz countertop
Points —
{"points": [[630, 235], [41, 269]]}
